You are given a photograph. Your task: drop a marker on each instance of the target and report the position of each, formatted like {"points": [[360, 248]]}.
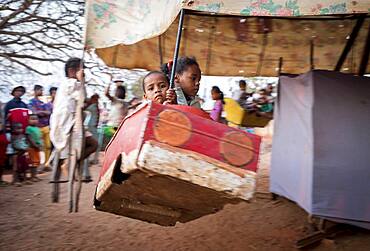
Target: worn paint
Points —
{"points": [[195, 169]]}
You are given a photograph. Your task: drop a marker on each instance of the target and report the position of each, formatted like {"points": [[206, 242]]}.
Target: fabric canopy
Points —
{"points": [[141, 34], [112, 22], [227, 46]]}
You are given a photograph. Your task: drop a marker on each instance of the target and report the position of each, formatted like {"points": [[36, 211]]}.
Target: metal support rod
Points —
{"points": [[350, 42], [312, 47], [177, 48], [365, 55]]}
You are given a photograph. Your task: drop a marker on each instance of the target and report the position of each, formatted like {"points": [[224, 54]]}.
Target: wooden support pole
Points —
{"points": [[365, 55], [350, 42], [312, 47], [280, 66]]}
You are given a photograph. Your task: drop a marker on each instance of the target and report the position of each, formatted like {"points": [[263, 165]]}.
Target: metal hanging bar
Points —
{"points": [[350, 42], [177, 48], [365, 55]]}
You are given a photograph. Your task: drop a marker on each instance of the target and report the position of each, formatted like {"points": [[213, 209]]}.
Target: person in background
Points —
{"points": [[263, 103], [119, 107], [19, 157], [218, 96], [34, 138], [93, 123], [187, 80], [269, 89], [16, 111], [3, 146], [49, 106], [52, 93], [237, 94], [69, 97], [93, 109], [104, 114], [269, 94], [43, 112], [133, 104], [134, 101]]}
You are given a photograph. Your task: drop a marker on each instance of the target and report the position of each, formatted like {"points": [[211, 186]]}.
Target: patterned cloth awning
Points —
{"points": [[126, 34], [111, 22]]}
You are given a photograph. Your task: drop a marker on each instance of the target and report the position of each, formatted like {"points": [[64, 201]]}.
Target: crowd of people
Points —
{"points": [[29, 129], [261, 103], [24, 133]]}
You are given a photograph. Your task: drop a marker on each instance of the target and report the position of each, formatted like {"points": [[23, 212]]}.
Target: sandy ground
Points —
{"points": [[29, 221]]}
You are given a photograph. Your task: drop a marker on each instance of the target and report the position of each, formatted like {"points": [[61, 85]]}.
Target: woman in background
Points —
{"points": [[216, 112]]}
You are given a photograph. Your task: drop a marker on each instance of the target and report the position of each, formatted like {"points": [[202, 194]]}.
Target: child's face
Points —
{"points": [[33, 120], [18, 93], [52, 94], [39, 92], [155, 87], [17, 129], [262, 94], [189, 80], [215, 95]]}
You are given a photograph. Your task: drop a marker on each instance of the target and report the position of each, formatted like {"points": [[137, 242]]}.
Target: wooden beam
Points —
{"points": [[365, 55], [350, 42]]}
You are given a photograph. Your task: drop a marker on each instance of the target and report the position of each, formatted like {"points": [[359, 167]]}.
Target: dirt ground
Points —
{"points": [[29, 221]]}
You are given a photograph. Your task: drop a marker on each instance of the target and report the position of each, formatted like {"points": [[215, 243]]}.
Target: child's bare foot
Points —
{"points": [[87, 179], [3, 183], [16, 183], [47, 168], [27, 182], [35, 179]]}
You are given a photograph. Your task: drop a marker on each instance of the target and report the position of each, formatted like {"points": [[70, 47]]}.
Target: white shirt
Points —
{"points": [[118, 112], [69, 96], [236, 94]]}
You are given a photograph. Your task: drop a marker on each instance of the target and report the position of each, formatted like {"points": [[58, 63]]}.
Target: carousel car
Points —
{"points": [[169, 163]]}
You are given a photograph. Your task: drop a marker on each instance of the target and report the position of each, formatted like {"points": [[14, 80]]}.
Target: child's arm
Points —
{"points": [[134, 106], [171, 97], [107, 94]]}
